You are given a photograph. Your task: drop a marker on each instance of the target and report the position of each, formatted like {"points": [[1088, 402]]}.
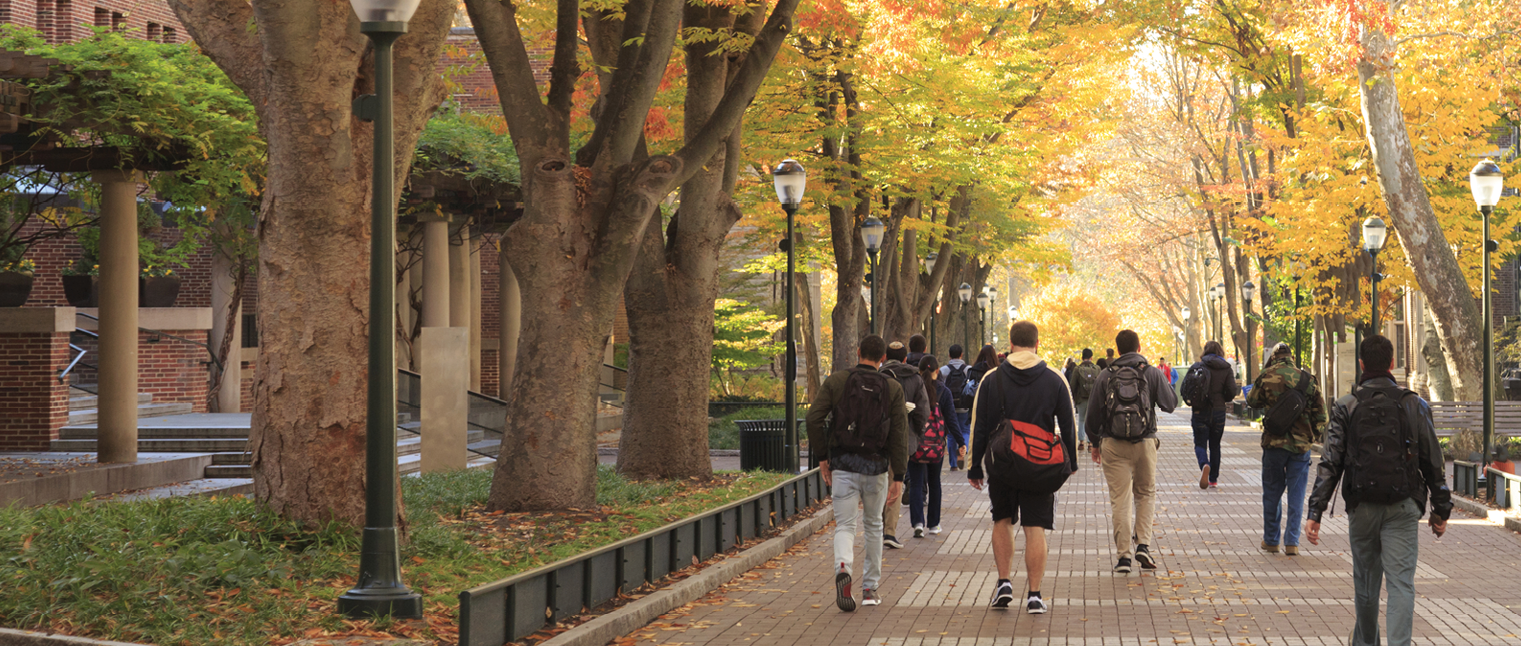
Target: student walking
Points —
{"points": [[1166, 370], [1081, 384], [1209, 385], [986, 362], [1380, 438], [1295, 417], [863, 458], [924, 464], [1021, 406], [1124, 435], [957, 376], [916, 349], [916, 400]]}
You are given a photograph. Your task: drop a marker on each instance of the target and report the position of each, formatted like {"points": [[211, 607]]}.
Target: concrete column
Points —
{"points": [[510, 313], [435, 289], [230, 397], [459, 278], [117, 428], [445, 406], [475, 314]]}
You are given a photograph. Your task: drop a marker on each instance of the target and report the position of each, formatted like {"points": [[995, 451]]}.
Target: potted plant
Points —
{"points": [[158, 287], [79, 278], [16, 278]]}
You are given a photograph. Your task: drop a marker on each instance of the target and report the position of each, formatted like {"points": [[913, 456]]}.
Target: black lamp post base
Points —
{"points": [[398, 602]]}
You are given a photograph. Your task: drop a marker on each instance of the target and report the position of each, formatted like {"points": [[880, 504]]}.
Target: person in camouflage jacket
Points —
{"points": [[1286, 459]]}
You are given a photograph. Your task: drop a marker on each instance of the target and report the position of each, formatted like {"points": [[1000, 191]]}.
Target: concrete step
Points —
{"points": [[148, 431], [231, 458], [85, 402], [229, 471], [144, 411], [184, 445], [200, 487]]}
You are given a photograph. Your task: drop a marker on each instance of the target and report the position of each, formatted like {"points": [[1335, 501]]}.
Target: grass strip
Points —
{"points": [[220, 571]]}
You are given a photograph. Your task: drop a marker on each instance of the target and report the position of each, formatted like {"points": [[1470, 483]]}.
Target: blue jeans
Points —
{"points": [[1281, 469], [1209, 428], [920, 476], [955, 436], [1385, 546]]}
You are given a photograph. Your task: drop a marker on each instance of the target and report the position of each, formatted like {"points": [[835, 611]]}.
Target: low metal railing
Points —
{"points": [[1465, 478], [1504, 489], [518, 606]]}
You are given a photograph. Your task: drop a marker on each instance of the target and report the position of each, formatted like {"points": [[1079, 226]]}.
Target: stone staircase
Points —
{"points": [[83, 408]]}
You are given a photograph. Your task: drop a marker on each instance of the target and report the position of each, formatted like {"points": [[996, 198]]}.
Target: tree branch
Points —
{"points": [[220, 28], [564, 71], [496, 26]]}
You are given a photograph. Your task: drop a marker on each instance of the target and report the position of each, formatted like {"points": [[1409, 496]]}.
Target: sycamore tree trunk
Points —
{"points": [[585, 216], [1420, 234], [301, 64], [672, 289]]}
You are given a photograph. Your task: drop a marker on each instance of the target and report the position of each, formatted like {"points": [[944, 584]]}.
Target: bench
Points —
{"points": [[1451, 417]]}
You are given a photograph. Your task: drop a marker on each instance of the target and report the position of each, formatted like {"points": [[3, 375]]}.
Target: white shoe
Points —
{"points": [[1036, 606], [934, 530], [918, 531]]}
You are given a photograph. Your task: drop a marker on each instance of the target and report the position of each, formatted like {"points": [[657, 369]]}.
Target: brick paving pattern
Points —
{"points": [[1213, 586]]}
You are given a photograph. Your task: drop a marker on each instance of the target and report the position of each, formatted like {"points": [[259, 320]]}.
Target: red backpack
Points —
{"points": [[932, 443]]}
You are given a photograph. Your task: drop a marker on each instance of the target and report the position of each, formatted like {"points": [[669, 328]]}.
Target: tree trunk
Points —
{"points": [[308, 433], [1436, 269], [1438, 379], [806, 315]]}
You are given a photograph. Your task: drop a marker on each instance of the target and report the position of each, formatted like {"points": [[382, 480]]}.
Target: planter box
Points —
{"points": [[15, 288], [82, 291]]}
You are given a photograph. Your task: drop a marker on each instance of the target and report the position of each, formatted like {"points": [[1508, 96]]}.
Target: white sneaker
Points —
{"points": [[918, 531], [1036, 606], [934, 530]]}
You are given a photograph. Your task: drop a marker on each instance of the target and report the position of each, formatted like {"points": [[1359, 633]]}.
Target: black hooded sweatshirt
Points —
{"points": [[1035, 394], [1222, 381]]}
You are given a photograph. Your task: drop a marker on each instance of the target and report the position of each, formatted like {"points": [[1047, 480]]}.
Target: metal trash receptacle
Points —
{"points": [[762, 444]]}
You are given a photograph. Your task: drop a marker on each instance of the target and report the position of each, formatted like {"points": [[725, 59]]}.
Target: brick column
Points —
{"points": [[34, 342]]}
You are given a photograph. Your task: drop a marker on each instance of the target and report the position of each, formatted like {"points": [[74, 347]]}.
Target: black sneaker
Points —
{"points": [[842, 596], [891, 541], [1143, 557], [1003, 595], [1123, 567], [1036, 606]]}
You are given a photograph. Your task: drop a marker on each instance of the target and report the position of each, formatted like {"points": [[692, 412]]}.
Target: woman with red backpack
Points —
{"points": [[924, 464]]}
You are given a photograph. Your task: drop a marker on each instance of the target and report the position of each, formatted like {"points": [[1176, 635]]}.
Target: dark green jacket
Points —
{"points": [[1280, 375], [823, 404]]}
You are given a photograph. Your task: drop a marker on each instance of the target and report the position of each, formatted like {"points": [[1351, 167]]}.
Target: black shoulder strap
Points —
{"points": [[1304, 383]]}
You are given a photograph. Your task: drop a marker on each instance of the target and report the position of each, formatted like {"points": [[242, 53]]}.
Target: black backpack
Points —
{"points": [[1285, 412], [861, 420], [1026, 455], [961, 386], [1196, 387], [1127, 402], [1382, 461]]}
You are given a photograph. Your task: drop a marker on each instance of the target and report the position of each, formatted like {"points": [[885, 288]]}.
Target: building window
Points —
{"points": [[102, 17], [250, 330], [153, 31], [169, 36], [118, 21]]}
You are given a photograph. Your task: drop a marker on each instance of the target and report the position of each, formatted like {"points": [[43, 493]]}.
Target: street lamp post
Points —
{"points": [[1217, 293], [871, 232], [790, 179], [1187, 314], [1247, 291], [379, 590], [1487, 184], [982, 317], [929, 268], [1374, 233], [965, 292]]}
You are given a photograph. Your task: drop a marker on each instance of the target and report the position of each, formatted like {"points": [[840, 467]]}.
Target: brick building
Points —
{"points": [[67, 21]]}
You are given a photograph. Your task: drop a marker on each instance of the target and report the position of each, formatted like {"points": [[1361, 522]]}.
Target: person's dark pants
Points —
{"points": [[1209, 428], [922, 476], [955, 438], [1282, 470]]}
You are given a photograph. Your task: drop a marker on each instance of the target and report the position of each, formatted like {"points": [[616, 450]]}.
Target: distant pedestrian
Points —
{"points": [[1207, 388], [1103, 364], [1295, 416], [917, 346], [1166, 369], [916, 399], [986, 362], [1124, 435], [956, 375], [1081, 384], [1380, 438], [924, 464], [1021, 407], [863, 456], [1067, 369]]}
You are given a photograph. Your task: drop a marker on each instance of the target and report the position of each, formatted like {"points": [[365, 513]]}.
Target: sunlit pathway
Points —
{"points": [[1214, 586]]}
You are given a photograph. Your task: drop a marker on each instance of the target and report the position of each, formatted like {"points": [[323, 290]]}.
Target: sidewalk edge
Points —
{"points": [[14, 637], [1481, 510], [636, 615]]}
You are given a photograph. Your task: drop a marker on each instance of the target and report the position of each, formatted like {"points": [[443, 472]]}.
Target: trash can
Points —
{"points": [[763, 444]]}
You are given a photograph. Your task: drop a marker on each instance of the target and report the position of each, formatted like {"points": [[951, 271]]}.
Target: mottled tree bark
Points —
{"points": [[302, 64], [1452, 302]]}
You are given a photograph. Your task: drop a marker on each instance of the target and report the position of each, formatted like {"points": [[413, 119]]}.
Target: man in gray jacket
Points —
{"points": [[1386, 494], [916, 400], [1122, 426]]}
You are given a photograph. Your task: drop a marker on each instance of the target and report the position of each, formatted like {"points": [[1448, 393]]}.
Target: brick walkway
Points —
{"points": [[1214, 586]]}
